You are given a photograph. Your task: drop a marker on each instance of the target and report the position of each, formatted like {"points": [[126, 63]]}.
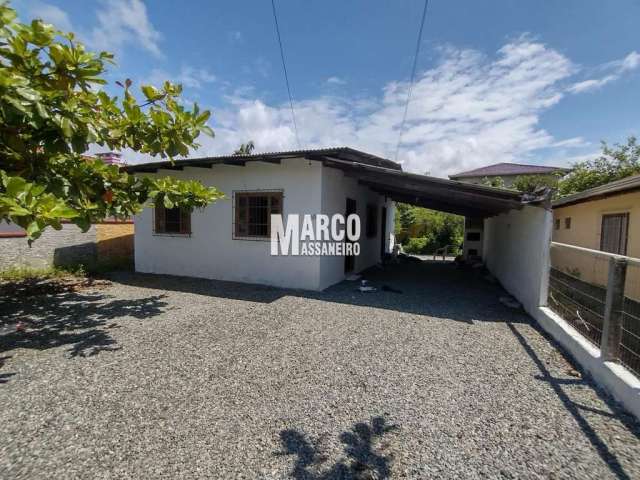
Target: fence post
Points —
{"points": [[612, 327]]}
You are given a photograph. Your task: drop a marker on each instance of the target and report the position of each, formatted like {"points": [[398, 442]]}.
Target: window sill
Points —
{"points": [[253, 239], [179, 235]]}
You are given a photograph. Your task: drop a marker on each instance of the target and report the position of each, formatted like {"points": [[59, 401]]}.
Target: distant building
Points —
{"points": [[111, 158], [605, 218], [507, 171]]}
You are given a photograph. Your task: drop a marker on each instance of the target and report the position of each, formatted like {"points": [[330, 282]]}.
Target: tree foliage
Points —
{"points": [[52, 109], [532, 183], [245, 148], [495, 182], [615, 163], [421, 230]]}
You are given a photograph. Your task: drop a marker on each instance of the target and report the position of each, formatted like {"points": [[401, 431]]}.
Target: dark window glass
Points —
{"points": [[253, 213], [614, 233], [567, 222]]}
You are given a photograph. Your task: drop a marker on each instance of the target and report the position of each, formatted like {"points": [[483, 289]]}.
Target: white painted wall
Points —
{"points": [[336, 188], [516, 251], [212, 252]]}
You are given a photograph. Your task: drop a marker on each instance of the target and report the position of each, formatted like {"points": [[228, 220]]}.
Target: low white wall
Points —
{"points": [[516, 252], [613, 377]]}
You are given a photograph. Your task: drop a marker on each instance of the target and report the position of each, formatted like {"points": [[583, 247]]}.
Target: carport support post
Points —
{"points": [[614, 303]]}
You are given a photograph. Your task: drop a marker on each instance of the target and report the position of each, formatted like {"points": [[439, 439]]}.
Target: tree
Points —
{"points": [[245, 148], [614, 164], [531, 183], [495, 182], [422, 230], [52, 110]]}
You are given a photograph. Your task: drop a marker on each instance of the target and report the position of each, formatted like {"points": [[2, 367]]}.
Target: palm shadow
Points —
{"points": [[363, 458]]}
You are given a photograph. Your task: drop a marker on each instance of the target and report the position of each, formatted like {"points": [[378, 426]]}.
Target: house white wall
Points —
{"points": [[336, 188], [516, 251], [212, 252]]}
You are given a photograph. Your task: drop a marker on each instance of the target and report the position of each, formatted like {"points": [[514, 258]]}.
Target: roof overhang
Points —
{"points": [[382, 176]]}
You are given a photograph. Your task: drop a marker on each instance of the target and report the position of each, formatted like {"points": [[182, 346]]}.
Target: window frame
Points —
{"points": [[625, 239], [237, 194], [567, 223], [184, 229], [557, 224]]}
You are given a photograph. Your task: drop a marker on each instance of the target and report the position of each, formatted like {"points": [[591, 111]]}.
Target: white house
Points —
{"points": [[230, 239]]}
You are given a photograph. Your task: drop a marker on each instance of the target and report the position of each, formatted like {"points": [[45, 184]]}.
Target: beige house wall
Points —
{"points": [[585, 231]]}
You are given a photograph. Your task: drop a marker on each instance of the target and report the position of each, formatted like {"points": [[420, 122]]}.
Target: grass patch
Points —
{"points": [[23, 273]]}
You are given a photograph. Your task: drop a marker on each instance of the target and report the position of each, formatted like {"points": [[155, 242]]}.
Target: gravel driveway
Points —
{"points": [[166, 377]]}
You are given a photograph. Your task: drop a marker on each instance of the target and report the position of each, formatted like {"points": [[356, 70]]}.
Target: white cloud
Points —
{"points": [[51, 14], [336, 81], [590, 85], [123, 22], [468, 110], [631, 61], [615, 70]]}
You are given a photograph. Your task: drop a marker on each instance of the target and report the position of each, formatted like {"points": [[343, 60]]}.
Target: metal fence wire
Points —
{"points": [[578, 285], [577, 290], [630, 342]]}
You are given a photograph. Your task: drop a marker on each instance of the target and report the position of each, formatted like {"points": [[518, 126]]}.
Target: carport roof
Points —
{"points": [[380, 175]]}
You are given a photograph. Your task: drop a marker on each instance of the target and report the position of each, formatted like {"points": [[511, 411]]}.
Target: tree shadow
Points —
{"points": [[576, 409], [363, 458], [73, 318]]}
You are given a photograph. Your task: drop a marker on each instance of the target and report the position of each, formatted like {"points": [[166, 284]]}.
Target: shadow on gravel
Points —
{"points": [[434, 289], [76, 319], [363, 459], [575, 409]]}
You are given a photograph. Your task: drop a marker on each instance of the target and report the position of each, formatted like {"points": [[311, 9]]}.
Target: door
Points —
{"points": [[349, 260], [383, 233]]}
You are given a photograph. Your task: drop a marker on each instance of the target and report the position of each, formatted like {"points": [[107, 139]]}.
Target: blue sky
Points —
{"points": [[520, 81]]}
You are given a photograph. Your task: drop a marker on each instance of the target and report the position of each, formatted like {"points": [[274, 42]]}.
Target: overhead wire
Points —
{"points": [[286, 76], [413, 76]]}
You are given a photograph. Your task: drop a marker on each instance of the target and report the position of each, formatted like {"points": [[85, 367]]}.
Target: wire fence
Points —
{"points": [[577, 290], [630, 343], [578, 287]]}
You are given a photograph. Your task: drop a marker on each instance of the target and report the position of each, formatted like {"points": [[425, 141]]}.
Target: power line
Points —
{"points": [[413, 75], [286, 77]]}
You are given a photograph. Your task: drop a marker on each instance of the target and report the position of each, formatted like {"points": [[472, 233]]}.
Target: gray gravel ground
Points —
{"points": [[165, 377]]}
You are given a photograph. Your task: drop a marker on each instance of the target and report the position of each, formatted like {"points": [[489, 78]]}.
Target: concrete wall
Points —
{"points": [[211, 251], [516, 251], [55, 247], [336, 188], [114, 241], [585, 231]]}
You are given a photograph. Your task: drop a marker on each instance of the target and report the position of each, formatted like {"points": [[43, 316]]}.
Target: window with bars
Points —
{"points": [[172, 220], [613, 238], [253, 212]]}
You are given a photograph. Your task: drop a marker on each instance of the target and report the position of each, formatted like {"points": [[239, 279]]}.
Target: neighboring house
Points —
{"points": [[111, 240], [605, 218], [508, 172], [105, 241], [230, 239]]}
